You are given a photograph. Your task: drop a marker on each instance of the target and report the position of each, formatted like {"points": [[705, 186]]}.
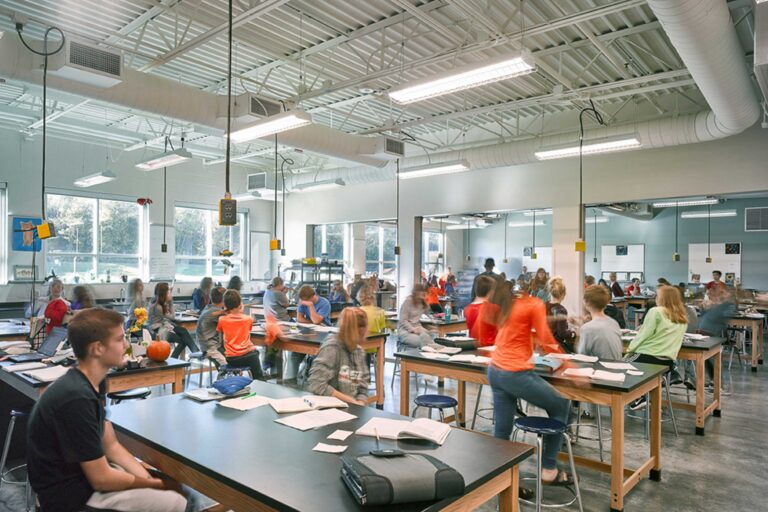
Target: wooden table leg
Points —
{"points": [[380, 374], [656, 431], [178, 380], [617, 453], [508, 498], [718, 362], [700, 374], [461, 393], [405, 382]]}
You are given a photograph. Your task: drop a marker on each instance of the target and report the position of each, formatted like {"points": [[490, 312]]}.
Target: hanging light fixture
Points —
{"points": [[435, 169], [594, 215], [533, 245], [676, 254], [469, 243], [167, 159], [709, 234], [590, 147], [506, 259], [95, 179], [319, 185], [581, 245], [271, 125]]}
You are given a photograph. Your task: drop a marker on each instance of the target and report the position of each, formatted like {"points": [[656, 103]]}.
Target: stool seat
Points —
{"points": [[15, 413], [436, 401], [541, 425], [130, 394]]}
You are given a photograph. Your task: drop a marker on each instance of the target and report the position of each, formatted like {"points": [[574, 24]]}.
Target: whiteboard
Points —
{"points": [[543, 260], [162, 265], [725, 263], [260, 267], [633, 261]]}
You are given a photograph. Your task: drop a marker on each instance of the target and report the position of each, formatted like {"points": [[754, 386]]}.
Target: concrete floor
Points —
{"points": [[723, 470]]}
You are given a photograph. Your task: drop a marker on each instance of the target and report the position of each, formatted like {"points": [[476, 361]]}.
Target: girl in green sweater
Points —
{"points": [[659, 339]]}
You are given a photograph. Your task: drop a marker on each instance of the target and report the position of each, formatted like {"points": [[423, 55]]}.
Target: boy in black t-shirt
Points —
{"points": [[74, 458]]}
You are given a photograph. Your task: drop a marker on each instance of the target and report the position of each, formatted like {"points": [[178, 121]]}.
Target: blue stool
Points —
{"points": [[438, 402], [128, 394], [15, 415], [543, 426], [231, 371]]}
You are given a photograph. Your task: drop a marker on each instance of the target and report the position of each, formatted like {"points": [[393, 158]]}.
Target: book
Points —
{"points": [[440, 349], [315, 419], [49, 374], [208, 394], [421, 428], [22, 367], [306, 403], [549, 364]]}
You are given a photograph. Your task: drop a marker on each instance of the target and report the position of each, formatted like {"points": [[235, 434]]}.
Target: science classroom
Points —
{"points": [[390, 255]]}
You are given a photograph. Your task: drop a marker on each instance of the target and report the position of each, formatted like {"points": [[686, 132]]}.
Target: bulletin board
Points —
{"points": [[162, 265], [627, 259], [543, 259], [726, 257]]}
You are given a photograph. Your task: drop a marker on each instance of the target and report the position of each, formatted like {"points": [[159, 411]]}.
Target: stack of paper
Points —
{"points": [[4, 345], [578, 372], [469, 358], [329, 448], [245, 403], [436, 355], [440, 349], [324, 328], [305, 403], [574, 357], [315, 419], [47, 374], [22, 367], [611, 376], [617, 366], [695, 336]]}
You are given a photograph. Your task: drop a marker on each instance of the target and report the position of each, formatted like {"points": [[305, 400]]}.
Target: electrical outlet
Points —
{"points": [[227, 212]]}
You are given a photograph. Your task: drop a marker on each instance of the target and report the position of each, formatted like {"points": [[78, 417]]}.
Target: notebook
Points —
{"points": [[463, 343], [315, 419], [549, 364], [469, 358], [306, 403], [22, 367], [421, 428], [49, 374], [440, 349]]}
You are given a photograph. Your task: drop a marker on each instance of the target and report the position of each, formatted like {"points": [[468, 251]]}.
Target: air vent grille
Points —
{"points": [[395, 147], [261, 107], [756, 219], [257, 181], [94, 58]]}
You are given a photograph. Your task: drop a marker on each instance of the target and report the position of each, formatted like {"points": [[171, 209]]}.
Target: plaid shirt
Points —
{"points": [[337, 368]]}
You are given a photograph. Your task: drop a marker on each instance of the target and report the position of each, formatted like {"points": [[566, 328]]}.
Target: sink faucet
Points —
{"points": [[122, 294]]}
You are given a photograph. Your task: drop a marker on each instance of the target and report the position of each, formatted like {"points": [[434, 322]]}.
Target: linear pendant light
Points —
{"points": [[690, 202], [526, 224], [95, 179], [251, 196], [271, 125], [435, 169], [707, 215], [591, 147], [319, 185], [465, 77], [167, 159]]}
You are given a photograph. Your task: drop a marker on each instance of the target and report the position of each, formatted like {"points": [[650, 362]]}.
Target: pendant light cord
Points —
{"points": [[591, 108], [229, 105]]}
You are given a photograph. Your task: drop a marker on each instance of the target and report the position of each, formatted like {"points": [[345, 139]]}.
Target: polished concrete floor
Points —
{"points": [[724, 470]]}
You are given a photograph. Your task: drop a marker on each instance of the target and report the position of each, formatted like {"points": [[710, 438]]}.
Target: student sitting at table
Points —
{"points": [[433, 296], [207, 327], [633, 288], [660, 337], [540, 285], [409, 329], [615, 287], [601, 335], [162, 321], [340, 368], [276, 301], [235, 283], [512, 376], [377, 321], [589, 281], [201, 296], [313, 309], [235, 328], [338, 293], [611, 310], [355, 287], [81, 298], [557, 315], [57, 308], [716, 285], [451, 286], [136, 300], [482, 315], [75, 461], [714, 319]]}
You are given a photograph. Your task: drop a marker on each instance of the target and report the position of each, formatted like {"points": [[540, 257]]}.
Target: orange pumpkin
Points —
{"points": [[159, 351]]}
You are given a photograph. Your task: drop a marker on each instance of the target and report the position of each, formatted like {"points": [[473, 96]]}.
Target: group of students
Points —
{"points": [[58, 310]]}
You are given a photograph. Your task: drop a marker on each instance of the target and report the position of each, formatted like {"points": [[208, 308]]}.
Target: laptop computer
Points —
{"points": [[46, 350]]}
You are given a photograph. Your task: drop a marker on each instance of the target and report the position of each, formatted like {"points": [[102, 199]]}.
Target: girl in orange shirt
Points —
{"points": [[511, 376]]}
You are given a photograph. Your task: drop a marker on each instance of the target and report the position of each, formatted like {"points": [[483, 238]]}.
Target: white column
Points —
{"points": [[566, 262], [358, 248]]}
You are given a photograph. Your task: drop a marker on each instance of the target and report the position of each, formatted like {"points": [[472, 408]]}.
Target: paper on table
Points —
{"points": [[325, 328], [636, 373], [47, 374], [464, 358], [556, 355], [489, 348], [436, 355], [316, 419], [583, 358], [245, 403], [340, 435], [22, 367], [578, 372], [8, 344], [329, 448], [611, 376], [617, 366], [481, 360], [695, 336]]}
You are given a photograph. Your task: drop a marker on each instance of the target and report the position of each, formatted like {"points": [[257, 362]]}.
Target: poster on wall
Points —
{"points": [[24, 236]]}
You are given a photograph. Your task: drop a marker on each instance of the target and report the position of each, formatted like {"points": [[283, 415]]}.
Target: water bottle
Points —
{"points": [[448, 312]]}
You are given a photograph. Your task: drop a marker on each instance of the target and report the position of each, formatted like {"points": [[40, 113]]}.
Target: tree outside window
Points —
{"points": [[199, 243]]}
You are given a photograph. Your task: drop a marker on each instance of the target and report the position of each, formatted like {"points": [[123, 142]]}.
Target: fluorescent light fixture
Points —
{"points": [[271, 125], [590, 147], [167, 159], [464, 77], [263, 194], [444, 221], [95, 179], [538, 213], [526, 224], [601, 219], [686, 202], [704, 215], [434, 169], [319, 185], [457, 227]]}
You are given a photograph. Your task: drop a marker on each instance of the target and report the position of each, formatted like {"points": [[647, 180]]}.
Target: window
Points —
{"points": [[380, 241], [329, 240], [97, 240], [432, 251], [200, 241]]}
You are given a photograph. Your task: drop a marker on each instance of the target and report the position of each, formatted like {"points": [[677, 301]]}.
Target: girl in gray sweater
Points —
{"points": [[409, 328]]}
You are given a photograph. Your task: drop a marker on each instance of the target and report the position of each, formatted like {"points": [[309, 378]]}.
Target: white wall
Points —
{"points": [[187, 183], [733, 165]]}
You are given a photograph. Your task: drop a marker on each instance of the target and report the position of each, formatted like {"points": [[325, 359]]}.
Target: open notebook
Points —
{"points": [[421, 428], [306, 403]]}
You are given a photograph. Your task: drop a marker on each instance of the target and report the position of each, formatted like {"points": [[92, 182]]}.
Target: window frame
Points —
{"points": [[439, 265], [96, 253], [244, 258], [381, 262]]}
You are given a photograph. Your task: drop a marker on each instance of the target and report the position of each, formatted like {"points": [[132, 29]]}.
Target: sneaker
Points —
{"points": [[690, 384], [675, 378], [638, 404], [586, 414]]}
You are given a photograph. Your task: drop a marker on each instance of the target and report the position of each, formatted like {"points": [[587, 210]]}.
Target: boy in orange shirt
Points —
{"points": [[236, 331]]}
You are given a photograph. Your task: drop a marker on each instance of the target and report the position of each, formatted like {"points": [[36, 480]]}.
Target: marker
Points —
{"points": [[248, 396]]}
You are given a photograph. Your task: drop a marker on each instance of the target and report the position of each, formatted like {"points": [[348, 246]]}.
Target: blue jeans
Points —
{"points": [[507, 387]]}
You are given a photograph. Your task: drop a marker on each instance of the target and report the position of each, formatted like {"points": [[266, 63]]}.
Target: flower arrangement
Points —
{"points": [[141, 319]]}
